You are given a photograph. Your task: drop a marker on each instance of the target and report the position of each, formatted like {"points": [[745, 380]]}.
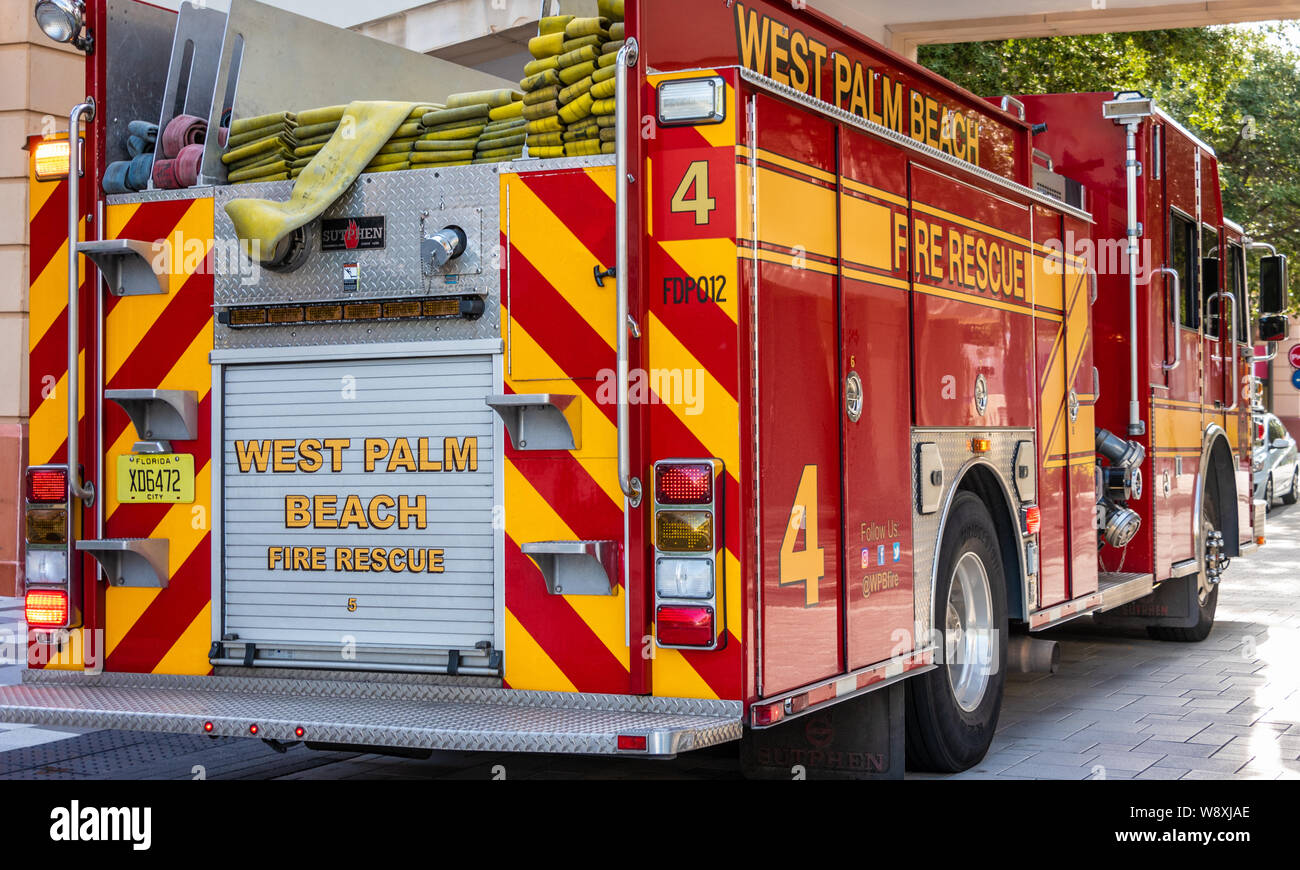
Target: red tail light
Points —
{"points": [[632, 742], [46, 608], [684, 484], [47, 485], [677, 625]]}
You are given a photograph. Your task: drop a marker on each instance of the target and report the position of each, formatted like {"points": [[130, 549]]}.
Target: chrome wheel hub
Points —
{"points": [[968, 632]]}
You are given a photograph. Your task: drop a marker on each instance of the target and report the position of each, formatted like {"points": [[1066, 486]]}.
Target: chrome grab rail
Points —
{"points": [[83, 491], [1232, 341], [627, 57], [1173, 314]]}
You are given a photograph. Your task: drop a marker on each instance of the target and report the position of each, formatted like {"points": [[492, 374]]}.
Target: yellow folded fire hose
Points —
{"points": [[261, 224]]}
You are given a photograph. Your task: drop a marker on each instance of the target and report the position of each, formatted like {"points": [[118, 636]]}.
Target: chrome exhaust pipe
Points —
{"points": [[1031, 655]]}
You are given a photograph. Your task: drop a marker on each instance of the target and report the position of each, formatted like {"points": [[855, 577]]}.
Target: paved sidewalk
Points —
{"points": [[1126, 707], [13, 651]]}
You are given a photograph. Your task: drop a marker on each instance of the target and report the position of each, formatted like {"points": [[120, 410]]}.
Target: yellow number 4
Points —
{"points": [[696, 178], [808, 565]]}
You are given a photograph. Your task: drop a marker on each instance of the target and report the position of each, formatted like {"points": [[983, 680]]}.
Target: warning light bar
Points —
{"points": [[419, 308], [47, 485]]}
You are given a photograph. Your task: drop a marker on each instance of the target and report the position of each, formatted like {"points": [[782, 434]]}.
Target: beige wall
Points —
{"points": [[37, 77]]}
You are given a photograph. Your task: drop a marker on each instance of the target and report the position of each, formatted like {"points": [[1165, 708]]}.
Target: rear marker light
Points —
{"points": [[684, 484], [768, 715], [299, 731], [1033, 519], [682, 625], [46, 608], [684, 531], [632, 742], [253, 729], [207, 726], [47, 485], [53, 159]]}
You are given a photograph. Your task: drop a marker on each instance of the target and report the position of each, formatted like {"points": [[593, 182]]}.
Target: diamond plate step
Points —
{"points": [[408, 715]]}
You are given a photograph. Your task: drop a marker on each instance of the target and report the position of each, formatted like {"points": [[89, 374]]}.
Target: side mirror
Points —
{"points": [[1281, 442], [1274, 327], [1272, 285]]}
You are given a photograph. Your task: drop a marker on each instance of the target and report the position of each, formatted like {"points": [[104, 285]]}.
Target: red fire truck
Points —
{"points": [[790, 422]]}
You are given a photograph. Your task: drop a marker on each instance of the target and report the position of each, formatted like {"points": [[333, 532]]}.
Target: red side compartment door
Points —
{"points": [[798, 407]]}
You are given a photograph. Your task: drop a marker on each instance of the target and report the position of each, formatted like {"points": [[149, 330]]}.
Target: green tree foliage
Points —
{"points": [[1237, 88]]}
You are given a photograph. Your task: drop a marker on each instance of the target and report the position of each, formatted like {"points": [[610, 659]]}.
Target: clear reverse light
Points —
{"points": [[684, 578]]}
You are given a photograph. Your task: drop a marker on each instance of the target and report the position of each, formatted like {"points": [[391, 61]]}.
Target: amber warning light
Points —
{"points": [[52, 159]]}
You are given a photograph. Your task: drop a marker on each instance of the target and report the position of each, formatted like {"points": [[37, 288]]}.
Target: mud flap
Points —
{"points": [[862, 738], [1173, 604]]}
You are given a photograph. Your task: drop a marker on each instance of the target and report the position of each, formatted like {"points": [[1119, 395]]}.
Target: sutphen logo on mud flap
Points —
{"points": [[352, 233]]}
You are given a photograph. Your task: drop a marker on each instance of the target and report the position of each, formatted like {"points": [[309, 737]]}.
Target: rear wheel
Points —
{"points": [[1291, 494], [952, 711], [1207, 580]]}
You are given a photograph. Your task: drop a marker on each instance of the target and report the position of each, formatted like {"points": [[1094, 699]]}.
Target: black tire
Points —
{"points": [[1205, 617], [1292, 496], [941, 736]]}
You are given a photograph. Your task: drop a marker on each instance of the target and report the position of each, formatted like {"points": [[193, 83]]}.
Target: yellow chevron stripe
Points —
{"points": [[709, 257], [47, 428], [191, 372], [134, 316], [124, 606], [38, 192], [189, 655], [544, 240], [673, 677], [529, 517], [718, 426], [48, 294], [603, 176], [527, 664]]}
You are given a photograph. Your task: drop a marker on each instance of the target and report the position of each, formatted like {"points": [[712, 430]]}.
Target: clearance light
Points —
{"points": [[299, 731], [47, 527], [692, 101], [981, 445], [768, 714], [207, 726], [632, 742], [678, 625], [1033, 519], [684, 484], [684, 531], [53, 158], [47, 485], [253, 729], [46, 608]]}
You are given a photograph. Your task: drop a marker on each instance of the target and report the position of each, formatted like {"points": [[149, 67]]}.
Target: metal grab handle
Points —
{"points": [[627, 57], [1232, 342], [1173, 311], [85, 492]]}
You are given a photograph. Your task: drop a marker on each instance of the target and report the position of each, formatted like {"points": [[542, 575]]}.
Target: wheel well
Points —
{"points": [[981, 481], [1220, 485]]}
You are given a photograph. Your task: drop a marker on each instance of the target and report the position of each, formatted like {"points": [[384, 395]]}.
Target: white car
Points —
{"points": [[1277, 471]]}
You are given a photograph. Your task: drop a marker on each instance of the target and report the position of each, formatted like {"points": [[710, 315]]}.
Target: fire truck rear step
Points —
{"points": [[383, 713], [1113, 589]]}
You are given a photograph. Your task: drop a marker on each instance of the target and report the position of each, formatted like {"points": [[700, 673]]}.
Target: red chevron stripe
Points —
{"points": [[559, 630], [571, 491], [578, 202], [151, 222], [48, 230], [154, 633]]}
